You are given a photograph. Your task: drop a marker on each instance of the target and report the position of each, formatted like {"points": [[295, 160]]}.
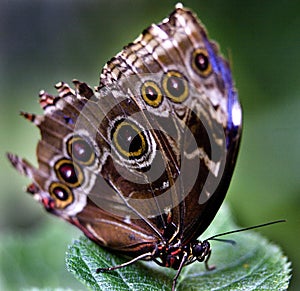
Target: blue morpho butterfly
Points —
{"points": [[143, 164]]}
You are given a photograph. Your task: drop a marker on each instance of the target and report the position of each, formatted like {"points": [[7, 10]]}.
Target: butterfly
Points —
{"points": [[142, 163]]}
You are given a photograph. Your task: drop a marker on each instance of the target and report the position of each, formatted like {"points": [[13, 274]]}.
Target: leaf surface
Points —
{"points": [[252, 264]]}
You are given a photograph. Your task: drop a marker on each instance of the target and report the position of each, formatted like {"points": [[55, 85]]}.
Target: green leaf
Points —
{"points": [[252, 264]]}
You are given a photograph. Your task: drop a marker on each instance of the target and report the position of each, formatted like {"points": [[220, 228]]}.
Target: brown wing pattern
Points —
{"points": [[148, 157]]}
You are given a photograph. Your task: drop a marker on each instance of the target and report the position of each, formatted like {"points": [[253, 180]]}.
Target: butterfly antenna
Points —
{"points": [[229, 241], [243, 229]]}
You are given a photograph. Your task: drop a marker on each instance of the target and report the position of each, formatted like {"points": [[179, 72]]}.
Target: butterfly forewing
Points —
{"points": [[201, 129]]}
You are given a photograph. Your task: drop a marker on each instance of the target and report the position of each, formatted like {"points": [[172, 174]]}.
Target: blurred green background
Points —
{"points": [[43, 42]]}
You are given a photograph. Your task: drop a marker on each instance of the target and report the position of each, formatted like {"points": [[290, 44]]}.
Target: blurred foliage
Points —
{"points": [[36, 259], [43, 42]]}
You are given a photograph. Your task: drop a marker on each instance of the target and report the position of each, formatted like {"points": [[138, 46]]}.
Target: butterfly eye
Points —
{"points": [[129, 140], [175, 86], [80, 150], [201, 63], [151, 94], [69, 172], [61, 194]]}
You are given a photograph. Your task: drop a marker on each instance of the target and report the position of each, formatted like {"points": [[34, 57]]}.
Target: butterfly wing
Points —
{"points": [[148, 157]]}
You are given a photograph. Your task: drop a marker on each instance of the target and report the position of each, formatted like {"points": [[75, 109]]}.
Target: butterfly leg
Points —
{"points": [[143, 256], [184, 258]]}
